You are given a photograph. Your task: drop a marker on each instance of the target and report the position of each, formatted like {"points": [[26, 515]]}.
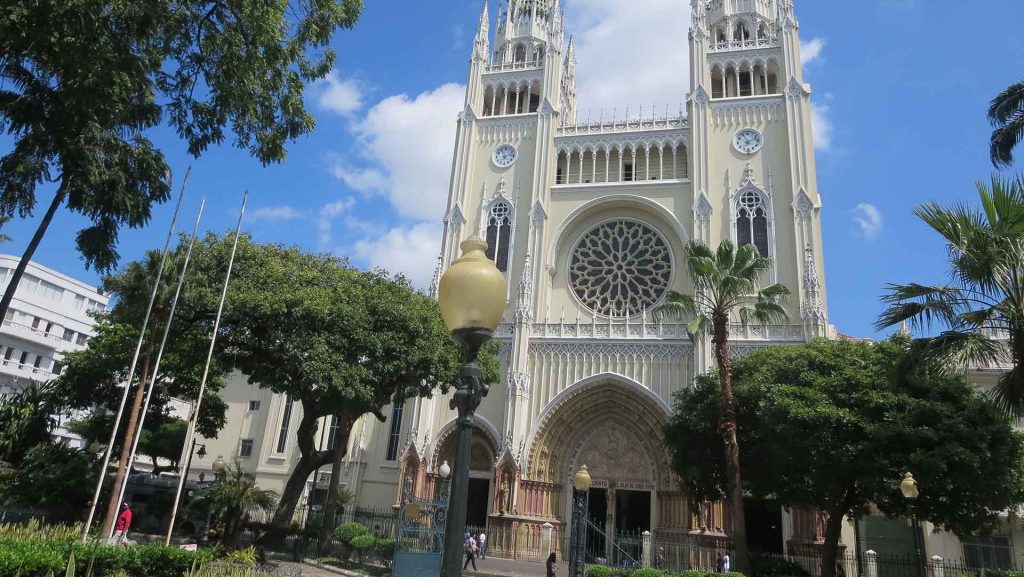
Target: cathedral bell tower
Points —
{"points": [[753, 151]]}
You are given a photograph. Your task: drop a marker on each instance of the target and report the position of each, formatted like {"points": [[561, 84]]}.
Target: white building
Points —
{"points": [[48, 317]]}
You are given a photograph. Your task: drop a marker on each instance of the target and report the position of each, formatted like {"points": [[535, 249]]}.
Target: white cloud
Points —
{"points": [[328, 214], [821, 126], [406, 149], [338, 95], [869, 219], [810, 50], [630, 55], [411, 251], [278, 213]]}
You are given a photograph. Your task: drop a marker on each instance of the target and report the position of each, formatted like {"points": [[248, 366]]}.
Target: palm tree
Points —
{"points": [[726, 283], [982, 308], [232, 498], [1006, 113]]}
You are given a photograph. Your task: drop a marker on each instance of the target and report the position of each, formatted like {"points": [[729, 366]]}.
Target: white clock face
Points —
{"points": [[748, 141], [505, 155]]}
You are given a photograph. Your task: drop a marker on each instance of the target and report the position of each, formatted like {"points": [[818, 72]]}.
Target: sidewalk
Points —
{"points": [[492, 567]]}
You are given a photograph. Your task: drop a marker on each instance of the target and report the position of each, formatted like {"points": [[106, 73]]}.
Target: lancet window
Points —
{"points": [[499, 234], [752, 222]]}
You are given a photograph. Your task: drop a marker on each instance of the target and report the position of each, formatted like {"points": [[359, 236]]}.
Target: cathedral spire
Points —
{"points": [[482, 44]]}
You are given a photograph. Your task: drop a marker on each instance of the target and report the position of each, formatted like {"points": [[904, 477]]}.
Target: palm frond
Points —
{"points": [[1006, 104], [1008, 393], [1005, 139], [698, 327], [676, 305], [962, 348]]}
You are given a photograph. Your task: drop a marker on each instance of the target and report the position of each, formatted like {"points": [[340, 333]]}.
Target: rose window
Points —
{"points": [[620, 267]]}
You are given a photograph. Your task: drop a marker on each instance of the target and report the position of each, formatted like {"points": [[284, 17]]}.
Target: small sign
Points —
{"points": [[191, 547]]}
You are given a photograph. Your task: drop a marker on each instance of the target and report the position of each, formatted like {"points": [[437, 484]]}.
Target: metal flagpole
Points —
{"points": [[135, 362], [160, 353], [190, 435]]}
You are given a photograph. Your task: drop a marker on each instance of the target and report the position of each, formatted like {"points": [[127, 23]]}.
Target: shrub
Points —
{"points": [[648, 572], [769, 566], [731, 574], [345, 533], [386, 550], [361, 544], [599, 571], [693, 573], [245, 557]]}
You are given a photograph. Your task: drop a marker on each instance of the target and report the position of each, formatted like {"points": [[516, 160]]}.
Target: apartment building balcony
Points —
{"points": [[36, 335]]}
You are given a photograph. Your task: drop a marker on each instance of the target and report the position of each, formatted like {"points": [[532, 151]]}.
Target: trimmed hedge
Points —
{"points": [[648, 572], [599, 571], [39, 558], [769, 566]]}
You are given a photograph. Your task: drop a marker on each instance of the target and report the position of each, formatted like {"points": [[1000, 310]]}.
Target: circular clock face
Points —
{"points": [[748, 141], [505, 155]]}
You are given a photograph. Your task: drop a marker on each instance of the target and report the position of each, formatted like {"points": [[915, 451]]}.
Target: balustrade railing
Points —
{"points": [[617, 126], [731, 45]]}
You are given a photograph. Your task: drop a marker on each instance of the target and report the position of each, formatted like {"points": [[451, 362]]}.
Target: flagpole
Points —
{"points": [[190, 435], [163, 344], [135, 361]]}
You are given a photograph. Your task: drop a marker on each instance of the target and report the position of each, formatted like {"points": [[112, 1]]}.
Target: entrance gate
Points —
{"points": [[419, 542]]}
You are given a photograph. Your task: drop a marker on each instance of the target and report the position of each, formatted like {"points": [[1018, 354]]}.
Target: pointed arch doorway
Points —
{"points": [[481, 474], [612, 425]]}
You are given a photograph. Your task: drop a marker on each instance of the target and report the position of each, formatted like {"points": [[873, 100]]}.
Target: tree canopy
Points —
{"points": [[1006, 113], [338, 340], [833, 426], [83, 81]]}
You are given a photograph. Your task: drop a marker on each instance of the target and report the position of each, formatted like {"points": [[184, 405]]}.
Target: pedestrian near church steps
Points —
{"points": [[471, 549], [482, 542], [722, 565], [124, 523], [550, 565]]}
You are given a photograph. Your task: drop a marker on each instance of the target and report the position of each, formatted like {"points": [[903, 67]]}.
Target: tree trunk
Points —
{"points": [[830, 554], [331, 508], [309, 460], [734, 482], [30, 251], [113, 507]]}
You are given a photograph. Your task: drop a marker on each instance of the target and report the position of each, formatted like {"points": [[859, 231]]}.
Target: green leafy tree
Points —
{"points": [[164, 442], [231, 498], [1006, 113], [832, 426], [26, 421], [4, 220], [727, 285], [202, 67], [337, 340], [981, 309], [53, 477]]}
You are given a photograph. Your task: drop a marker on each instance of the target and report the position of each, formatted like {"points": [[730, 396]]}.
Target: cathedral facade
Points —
{"points": [[589, 221]]}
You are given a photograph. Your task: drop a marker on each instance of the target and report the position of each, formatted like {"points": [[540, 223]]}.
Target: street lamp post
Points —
{"points": [[580, 503], [472, 297], [910, 492]]}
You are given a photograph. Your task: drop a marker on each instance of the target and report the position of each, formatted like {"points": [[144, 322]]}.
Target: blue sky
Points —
{"points": [[900, 89]]}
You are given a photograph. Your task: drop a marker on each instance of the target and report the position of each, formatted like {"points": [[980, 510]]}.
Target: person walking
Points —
{"points": [[471, 551], [482, 542], [124, 523], [550, 565]]}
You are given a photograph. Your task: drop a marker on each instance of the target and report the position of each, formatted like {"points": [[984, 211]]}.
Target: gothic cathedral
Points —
{"points": [[589, 221]]}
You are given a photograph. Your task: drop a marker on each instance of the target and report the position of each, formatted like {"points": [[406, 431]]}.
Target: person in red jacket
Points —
{"points": [[124, 522]]}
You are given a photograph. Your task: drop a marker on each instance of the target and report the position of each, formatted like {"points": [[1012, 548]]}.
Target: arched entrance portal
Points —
{"points": [[613, 426], [482, 456]]}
